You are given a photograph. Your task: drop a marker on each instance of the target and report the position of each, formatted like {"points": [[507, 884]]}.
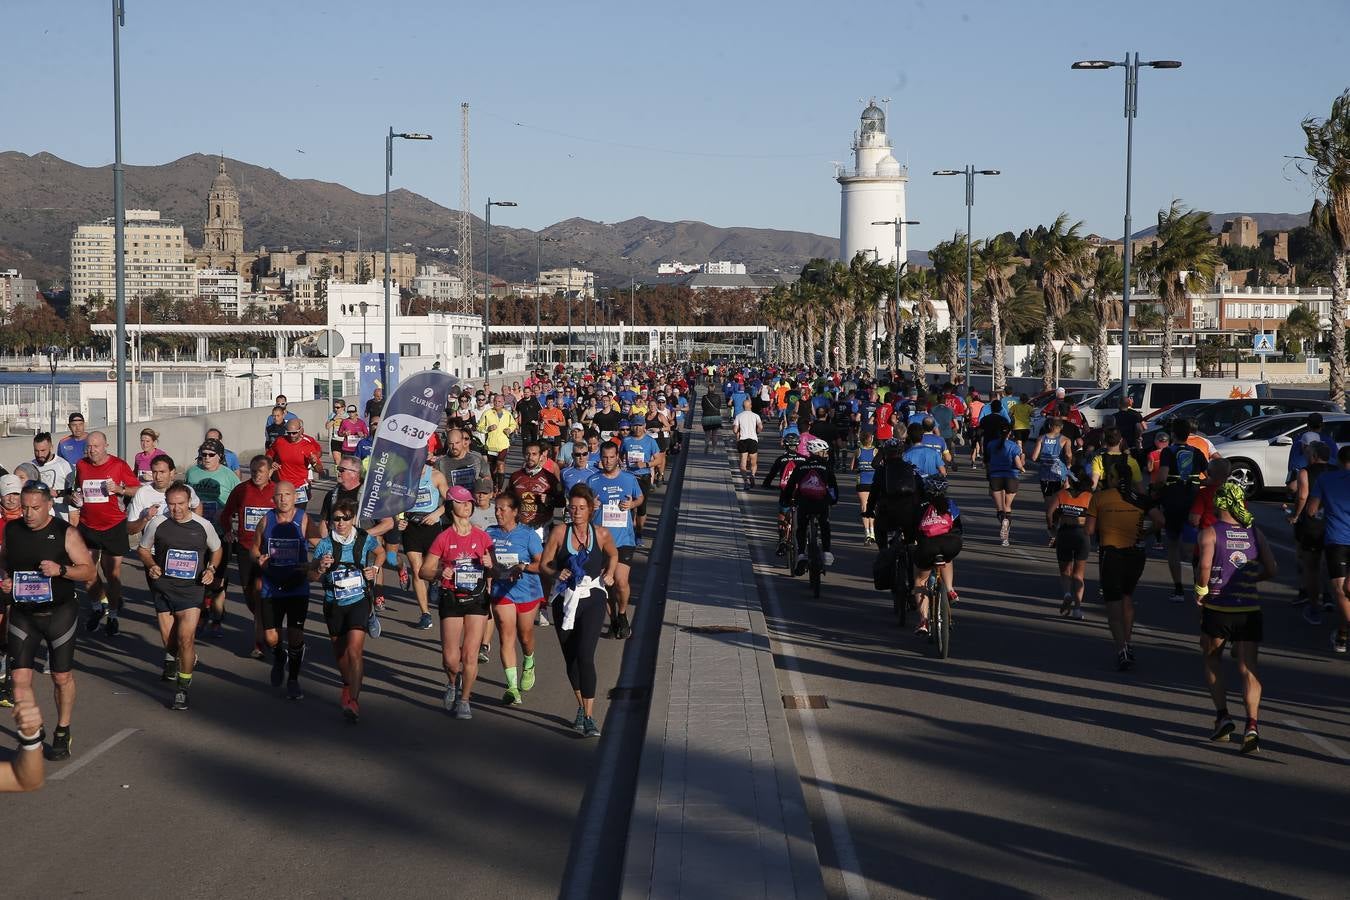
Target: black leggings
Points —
{"points": [[579, 642], [822, 515]]}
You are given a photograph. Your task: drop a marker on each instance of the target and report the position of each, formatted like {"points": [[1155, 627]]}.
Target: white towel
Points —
{"points": [[572, 596]]}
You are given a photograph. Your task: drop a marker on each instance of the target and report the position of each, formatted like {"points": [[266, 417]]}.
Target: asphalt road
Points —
{"points": [[248, 793], [1025, 764]]}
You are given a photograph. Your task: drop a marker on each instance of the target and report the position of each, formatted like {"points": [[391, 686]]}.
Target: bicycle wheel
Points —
{"points": [[815, 563], [900, 588], [941, 607]]}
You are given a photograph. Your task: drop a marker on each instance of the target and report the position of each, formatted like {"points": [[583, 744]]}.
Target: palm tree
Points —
{"points": [[994, 266], [1301, 325], [949, 271], [919, 287], [1328, 148], [1107, 276], [1183, 259], [1059, 255]]}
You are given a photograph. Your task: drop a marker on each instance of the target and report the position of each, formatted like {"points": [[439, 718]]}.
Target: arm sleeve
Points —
{"points": [[148, 535]]}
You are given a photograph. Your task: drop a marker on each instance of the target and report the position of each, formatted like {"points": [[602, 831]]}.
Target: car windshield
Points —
{"points": [[1263, 429], [1185, 408]]}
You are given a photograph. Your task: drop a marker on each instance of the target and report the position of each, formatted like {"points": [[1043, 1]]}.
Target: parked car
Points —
{"points": [[1151, 394], [1258, 449], [1212, 417]]}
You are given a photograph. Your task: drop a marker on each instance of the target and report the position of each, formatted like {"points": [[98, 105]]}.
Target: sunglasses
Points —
{"points": [[349, 470], [342, 518], [294, 433], [207, 454], [37, 486]]}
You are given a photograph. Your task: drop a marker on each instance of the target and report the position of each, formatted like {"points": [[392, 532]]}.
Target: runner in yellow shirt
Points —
{"points": [[497, 425], [1022, 412]]}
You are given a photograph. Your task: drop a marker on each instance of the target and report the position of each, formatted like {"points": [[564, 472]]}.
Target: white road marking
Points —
{"points": [[89, 757], [1319, 741]]}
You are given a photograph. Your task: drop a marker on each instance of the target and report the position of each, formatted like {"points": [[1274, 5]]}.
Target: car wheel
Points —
{"points": [[1247, 475]]}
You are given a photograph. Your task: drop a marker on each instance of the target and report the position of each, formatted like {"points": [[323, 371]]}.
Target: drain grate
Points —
{"points": [[805, 701], [715, 629]]}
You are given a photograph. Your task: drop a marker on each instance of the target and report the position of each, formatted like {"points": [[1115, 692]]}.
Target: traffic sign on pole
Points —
{"points": [[968, 349], [1263, 343]]}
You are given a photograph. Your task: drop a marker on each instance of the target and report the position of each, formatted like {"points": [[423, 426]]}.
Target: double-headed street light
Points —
{"points": [[53, 355], [540, 240], [487, 279], [900, 264], [252, 374], [388, 172], [970, 172], [1131, 67]]}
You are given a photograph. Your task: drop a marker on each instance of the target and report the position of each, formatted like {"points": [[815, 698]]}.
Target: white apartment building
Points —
{"points": [[436, 285], [221, 286], [676, 268], [15, 290], [155, 255], [571, 281], [724, 268]]}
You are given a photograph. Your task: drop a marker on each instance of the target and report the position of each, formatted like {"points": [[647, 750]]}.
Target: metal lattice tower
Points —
{"points": [[465, 221]]}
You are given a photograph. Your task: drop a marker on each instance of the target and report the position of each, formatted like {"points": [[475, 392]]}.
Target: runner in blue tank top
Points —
{"points": [[282, 553], [1053, 454], [862, 464]]}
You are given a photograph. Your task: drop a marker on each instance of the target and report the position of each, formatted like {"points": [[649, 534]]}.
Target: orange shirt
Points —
{"points": [[551, 421]]}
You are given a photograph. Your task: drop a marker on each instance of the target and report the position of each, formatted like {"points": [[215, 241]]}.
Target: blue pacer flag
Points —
{"points": [[399, 451]]}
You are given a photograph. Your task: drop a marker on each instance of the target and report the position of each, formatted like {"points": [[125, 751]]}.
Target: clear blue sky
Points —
{"points": [[728, 113]]}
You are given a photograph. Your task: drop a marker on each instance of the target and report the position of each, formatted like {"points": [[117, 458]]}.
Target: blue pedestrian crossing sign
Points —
{"points": [[1263, 343], [968, 348]]}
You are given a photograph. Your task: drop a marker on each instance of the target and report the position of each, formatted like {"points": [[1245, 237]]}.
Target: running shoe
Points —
{"points": [[111, 627], [1251, 740], [379, 601], [527, 678], [922, 628], [625, 630], [800, 567], [424, 623], [60, 744], [1223, 727], [512, 697], [827, 557], [450, 698], [589, 728], [1177, 597], [1339, 641], [373, 626], [1004, 529], [180, 699], [95, 617], [484, 652], [1129, 652], [1052, 541], [953, 597], [867, 539], [278, 666], [217, 630], [170, 670], [1312, 614], [1123, 661], [346, 695], [1066, 605], [781, 551], [463, 710], [351, 710], [541, 621], [256, 652], [403, 579], [579, 722], [1078, 612], [293, 691]]}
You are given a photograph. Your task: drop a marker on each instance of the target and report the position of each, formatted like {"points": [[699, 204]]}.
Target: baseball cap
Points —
{"points": [[482, 486], [10, 484], [460, 494], [1059, 392], [577, 426]]}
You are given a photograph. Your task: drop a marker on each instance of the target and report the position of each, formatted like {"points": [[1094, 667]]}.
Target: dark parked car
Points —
{"points": [[1224, 414]]}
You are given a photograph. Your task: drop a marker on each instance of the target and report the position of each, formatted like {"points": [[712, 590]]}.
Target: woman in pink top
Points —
{"points": [[351, 429], [148, 453]]}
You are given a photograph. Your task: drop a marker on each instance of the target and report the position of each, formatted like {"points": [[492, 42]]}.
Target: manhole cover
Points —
{"points": [[805, 701], [715, 629]]}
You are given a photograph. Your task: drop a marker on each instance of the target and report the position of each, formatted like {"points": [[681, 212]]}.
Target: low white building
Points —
{"points": [[437, 286], [571, 281], [724, 268], [356, 311]]}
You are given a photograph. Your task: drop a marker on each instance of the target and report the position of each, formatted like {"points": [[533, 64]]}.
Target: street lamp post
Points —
{"points": [[119, 14], [53, 354], [252, 374], [487, 280], [900, 265], [970, 172], [538, 287], [388, 173], [1131, 67]]}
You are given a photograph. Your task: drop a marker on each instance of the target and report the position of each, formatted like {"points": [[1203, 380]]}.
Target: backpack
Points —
{"points": [[1110, 462], [933, 523], [813, 486], [1185, 458], [901, 478]]}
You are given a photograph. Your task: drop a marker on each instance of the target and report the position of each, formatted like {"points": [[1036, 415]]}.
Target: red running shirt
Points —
{"points": [[295, 458], [103, 510]]}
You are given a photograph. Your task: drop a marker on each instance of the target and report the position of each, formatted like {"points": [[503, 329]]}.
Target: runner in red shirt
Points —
{"points": [[244, 511], [538, 490], [297, 454], [885, 428], [101, 483]]}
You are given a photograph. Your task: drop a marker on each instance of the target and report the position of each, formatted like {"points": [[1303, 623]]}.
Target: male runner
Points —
{"points": [[282, 554], [617, 494], [102, 481]]}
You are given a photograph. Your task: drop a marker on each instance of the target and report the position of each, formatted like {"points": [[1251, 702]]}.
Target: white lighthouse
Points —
{"points": [[874, 191]]}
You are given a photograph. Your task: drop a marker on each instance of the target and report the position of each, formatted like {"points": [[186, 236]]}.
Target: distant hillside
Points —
{"points": [[1264, 222], [45, 198]]}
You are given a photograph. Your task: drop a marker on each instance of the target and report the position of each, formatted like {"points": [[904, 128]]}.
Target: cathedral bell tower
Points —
{"points": [[223, 231]]}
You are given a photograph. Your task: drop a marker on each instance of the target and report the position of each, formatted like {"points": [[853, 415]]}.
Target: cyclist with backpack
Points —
{"points": [[1053, 455], [896, 492], [778, 476], [812, 489], [939, 534], [1181, 469]]}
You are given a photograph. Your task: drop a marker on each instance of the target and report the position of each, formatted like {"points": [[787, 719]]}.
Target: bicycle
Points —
{"points": [[939, 609], [815, 559], [902, 577]]}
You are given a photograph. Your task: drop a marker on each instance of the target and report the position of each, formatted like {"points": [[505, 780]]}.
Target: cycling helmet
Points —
{"points": [[816, 446], [791, 437], [935, 486]]}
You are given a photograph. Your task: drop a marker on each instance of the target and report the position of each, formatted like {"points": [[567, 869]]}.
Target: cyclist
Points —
{"points": [[862, 464], [778, 476], [939, 534], [812, 489], [1070, 540], [1053, 454]]}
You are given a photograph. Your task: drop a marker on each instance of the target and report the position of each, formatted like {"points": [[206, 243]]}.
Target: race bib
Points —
{"points": [[423, 497], [349, 588], [181, 564], [636, 459], [95, 491], [507, 560], [32, 587], [350, 441], [468, 577], [253, 515], [463, 477], [301, 494], [283, 552], [611, 516]]}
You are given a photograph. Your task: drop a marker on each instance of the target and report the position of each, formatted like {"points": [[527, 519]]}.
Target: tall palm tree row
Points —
{"points": [[1106, 278], [1327, 145], [1059, 254], [994, 265], [949, 271], [1183, 259], [919, 286]]}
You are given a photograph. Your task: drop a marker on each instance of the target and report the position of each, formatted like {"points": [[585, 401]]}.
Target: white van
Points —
{"points": [[1152, 394]]}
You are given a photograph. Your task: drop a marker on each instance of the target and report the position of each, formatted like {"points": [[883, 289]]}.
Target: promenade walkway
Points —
{"points": [[719, 810]]}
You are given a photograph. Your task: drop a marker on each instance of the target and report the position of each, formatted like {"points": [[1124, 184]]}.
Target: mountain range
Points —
{"points": [[46, 197]]}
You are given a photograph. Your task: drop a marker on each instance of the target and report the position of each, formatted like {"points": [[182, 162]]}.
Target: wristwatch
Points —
{"points": [[61, 573]]}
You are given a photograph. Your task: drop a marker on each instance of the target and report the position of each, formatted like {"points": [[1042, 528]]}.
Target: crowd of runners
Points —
{"points": [[528, 514]]}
